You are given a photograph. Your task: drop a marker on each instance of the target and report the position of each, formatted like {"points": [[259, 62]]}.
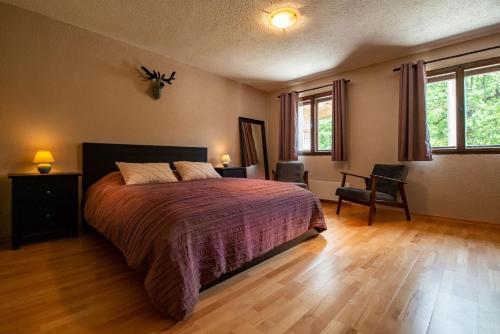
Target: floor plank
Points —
{"points": [[431, 275]]}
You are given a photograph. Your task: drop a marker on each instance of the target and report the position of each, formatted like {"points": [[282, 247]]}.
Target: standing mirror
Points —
{"points": [[254, 148]]}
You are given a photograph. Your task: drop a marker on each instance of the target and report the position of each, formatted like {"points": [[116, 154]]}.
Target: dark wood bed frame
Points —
{"points": [[99, 159]]}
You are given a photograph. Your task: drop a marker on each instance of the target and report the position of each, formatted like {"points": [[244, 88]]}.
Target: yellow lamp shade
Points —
{"points": [[226, 159], [42, 157]]}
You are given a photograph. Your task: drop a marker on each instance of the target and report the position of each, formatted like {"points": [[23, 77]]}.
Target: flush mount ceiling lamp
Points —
{"points": [[284, 18]]}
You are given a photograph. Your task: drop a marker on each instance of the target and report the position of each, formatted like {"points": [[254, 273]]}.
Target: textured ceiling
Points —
{"points": [[233, 38]]}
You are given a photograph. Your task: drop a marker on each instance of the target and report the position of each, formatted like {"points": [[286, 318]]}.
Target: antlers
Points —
{"points": [[158, 76]]}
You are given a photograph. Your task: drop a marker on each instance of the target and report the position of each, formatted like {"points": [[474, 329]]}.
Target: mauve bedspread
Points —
{"points": [[187, 234]]}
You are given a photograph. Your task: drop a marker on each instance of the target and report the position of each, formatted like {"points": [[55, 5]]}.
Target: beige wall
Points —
{"points": [[458, 186], [61, 85]]}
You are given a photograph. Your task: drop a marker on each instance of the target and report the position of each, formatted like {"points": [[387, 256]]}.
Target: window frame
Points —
{"points": [[459, 71], [314, 134]]}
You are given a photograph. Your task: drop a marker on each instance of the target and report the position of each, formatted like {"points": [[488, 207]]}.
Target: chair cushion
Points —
{"points": [[300, 184], [362, 195], [290, 171]]}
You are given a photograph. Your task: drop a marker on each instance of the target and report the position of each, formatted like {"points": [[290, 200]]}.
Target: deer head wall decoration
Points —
{"points": [[158, 81]]}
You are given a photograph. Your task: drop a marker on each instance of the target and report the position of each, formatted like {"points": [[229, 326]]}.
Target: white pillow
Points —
{"points": [[189, 170], [145, 173]]}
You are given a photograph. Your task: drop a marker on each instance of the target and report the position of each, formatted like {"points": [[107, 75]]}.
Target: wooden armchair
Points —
{"points": [[291, 171], [381, 188]]}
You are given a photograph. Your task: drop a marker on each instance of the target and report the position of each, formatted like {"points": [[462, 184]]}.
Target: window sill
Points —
{"points": [[315, 153], [475, 150]]}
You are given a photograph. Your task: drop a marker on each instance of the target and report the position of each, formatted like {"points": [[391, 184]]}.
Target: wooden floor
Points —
{"points": [[430, 275]]}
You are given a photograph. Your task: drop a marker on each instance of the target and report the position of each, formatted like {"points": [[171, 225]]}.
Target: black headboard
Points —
{"points": [[99, 159]]}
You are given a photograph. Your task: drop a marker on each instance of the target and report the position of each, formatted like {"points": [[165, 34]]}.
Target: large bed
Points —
{"points": [[187, 235]]}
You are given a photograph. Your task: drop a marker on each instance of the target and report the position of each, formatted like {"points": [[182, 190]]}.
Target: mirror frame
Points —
{"points": [[264, 143]]}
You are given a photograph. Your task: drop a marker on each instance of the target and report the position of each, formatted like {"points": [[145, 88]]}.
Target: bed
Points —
{"points": [[189, 235]]}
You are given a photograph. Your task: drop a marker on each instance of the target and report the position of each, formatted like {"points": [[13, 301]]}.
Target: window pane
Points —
{"points": [[441, 110], [324, 117], [482, 106], [304, 126]]}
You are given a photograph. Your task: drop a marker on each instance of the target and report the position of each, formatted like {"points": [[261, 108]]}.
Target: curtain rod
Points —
{"points": [[314, 88], [455, 56]]}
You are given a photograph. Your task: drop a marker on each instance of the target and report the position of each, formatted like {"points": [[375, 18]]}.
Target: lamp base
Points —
{"points": [[225, 164], [44, 168]]}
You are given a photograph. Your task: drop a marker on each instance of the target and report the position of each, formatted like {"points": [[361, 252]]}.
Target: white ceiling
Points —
{"points": [[233, 38]]}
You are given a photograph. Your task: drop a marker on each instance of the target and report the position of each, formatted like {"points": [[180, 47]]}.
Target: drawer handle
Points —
{"points": [[48, 216], [48, 192]]}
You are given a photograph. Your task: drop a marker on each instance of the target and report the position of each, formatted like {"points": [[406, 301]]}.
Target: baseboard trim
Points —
{"points": [[330, 201], [459, 220], [447, 219]]}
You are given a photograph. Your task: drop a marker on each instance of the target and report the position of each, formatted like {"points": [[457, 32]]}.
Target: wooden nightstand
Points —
{"points": [[240, 172], [44, 206]]}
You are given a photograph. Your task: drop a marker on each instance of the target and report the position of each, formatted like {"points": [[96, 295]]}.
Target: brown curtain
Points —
{"points": [[249, 149], [339, 128], [413, 137], [288, 126]]}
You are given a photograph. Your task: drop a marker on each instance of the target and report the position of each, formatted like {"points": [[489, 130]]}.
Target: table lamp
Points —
{"points": [[43, 159], [225, 160]]}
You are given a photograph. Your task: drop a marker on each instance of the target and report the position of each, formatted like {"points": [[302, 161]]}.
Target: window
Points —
{"points": [[304, 126], [482, 107], [315, 124], [463, 108], [441, 110]]}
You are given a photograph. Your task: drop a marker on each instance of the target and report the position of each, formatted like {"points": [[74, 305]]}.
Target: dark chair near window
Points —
{"points": [[291, 171], [381, 188]]}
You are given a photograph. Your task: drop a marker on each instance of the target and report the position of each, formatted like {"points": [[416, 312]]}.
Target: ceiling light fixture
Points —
{"points": [[284, 18]]}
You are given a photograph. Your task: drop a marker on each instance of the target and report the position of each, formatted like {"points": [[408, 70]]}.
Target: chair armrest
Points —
{"points": [[355, 175], [387, 178], [306, 177], [275, 176]]}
